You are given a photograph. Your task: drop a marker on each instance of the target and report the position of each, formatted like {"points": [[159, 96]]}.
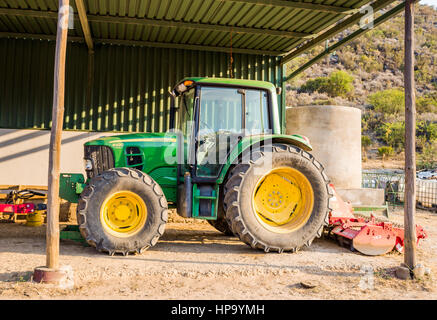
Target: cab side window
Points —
{"points": [[257, 116]]}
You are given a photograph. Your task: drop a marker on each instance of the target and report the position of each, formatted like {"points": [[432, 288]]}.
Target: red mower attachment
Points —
{"points": [[366, 235], [14, 205], [17, 208]]}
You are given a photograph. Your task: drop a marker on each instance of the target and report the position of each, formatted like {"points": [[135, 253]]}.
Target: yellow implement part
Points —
{"points": [[34, 219]]}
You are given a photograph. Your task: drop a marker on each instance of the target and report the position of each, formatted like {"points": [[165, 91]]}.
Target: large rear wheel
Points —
{"points": [[278, 201], [122, 211]]}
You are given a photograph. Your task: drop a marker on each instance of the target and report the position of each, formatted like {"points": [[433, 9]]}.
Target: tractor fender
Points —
{"points": [[249, 143]]}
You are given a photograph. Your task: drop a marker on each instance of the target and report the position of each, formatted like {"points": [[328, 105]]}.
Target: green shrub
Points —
{"points": [[366, 142], [339, 83], [370, 64], [319, 84], [424, 70], [426, 104], [428, 159], [393, 134], [385, 152], [391, 101], [428, 130]]}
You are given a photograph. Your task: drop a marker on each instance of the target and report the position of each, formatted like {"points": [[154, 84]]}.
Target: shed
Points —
{"points": [[124, 55]]}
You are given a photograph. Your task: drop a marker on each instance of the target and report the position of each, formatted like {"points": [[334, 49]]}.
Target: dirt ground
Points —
{"points": [[193, 261]]}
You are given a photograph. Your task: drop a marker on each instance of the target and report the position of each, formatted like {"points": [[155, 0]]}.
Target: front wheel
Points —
{"points": [[278, 201], [122, 211]]}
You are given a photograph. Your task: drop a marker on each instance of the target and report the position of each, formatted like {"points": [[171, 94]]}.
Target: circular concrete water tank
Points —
{"points": [[335, 134]]}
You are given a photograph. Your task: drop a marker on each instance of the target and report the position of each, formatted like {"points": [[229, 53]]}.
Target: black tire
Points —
{"points": [[240, 187], [107, 183], [221, 224]]}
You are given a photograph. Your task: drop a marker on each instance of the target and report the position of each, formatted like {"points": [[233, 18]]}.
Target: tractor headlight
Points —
{"points": [[88, 164]]}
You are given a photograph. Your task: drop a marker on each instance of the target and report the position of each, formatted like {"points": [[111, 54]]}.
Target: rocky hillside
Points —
{"points": [[368, 74]]}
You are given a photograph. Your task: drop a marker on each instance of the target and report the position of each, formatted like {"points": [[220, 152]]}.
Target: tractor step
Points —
{"points": [[205, 198]]}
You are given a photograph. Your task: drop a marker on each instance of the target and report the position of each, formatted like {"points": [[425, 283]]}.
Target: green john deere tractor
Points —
{"points": [[225, 160]]}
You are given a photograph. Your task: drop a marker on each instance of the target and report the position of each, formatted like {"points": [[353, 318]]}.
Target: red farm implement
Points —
{"points": [[15, 206], [364, 234]]}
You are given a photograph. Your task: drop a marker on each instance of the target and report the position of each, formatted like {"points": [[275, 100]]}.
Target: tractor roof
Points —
{"points": [[232, 82]]}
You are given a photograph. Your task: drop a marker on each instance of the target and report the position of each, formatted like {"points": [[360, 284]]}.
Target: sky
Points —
{"points": [[429, 2]]}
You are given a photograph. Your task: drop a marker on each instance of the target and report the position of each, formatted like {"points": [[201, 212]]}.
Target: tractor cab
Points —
{"points": [[212, 116]]}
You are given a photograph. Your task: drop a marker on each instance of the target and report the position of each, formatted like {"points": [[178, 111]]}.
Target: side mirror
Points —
{"points": [[278, 90]]}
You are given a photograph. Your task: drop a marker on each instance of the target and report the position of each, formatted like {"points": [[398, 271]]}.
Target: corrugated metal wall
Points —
{"points": [[129, 90]]}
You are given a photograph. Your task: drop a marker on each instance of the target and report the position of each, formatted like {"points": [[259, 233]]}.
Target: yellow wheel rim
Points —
{"points": [[123, 214], [283, 200]]}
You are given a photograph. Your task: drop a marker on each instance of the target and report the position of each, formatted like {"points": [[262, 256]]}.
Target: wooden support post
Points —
{"points": [[81, 10], [52, 250], [52, 273], [84, 23], [410, 140]]}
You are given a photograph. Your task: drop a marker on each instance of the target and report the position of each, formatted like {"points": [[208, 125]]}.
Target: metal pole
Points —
{"points": [[410, 140], [52, 238], [283, 99]]}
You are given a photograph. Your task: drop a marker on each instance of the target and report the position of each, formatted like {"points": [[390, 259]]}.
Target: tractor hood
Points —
{"points": [[145, 151]]}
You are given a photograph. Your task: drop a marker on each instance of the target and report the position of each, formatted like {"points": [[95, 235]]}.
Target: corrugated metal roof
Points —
{"points": [[272, 26], [130, 87]]}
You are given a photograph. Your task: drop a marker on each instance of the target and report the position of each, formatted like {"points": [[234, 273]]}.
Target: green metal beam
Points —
{"points": [[160, 23], [188, 47], [143, 44], [377, 5], [299, 5], [198, 26], [389, 14]]}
